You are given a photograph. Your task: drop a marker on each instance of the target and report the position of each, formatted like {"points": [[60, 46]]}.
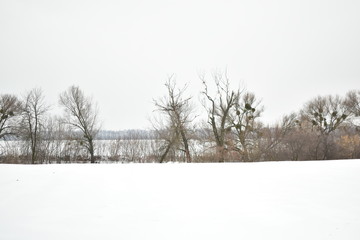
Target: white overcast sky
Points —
{"points": [[121, 52]]}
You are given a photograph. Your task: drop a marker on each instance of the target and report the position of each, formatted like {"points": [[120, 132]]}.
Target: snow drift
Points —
{"points": [[274, 200]]}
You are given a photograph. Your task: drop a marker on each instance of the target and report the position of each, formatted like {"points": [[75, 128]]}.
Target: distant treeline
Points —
{"points": [[102, 135], [326, 127], [126, 134]]}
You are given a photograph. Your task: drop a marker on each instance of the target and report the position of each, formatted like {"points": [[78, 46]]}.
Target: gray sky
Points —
{"points": [[121, 52]]}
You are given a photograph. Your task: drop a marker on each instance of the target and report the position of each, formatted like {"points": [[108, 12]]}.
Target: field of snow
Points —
{"points": [[273, 200]]}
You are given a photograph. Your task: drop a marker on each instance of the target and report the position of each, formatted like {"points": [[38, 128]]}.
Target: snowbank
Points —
{"points": [[275, 200]]}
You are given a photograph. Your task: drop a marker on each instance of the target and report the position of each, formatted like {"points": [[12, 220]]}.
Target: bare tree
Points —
{"points": [[279, 142], [33, 116], [244, 120], [178, 112], [325, 114], [82, 116], [352, 102], [54, 139], [218, 108], [10, 108]]}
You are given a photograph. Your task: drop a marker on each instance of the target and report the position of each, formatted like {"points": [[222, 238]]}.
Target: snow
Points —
{"points": [[273, 200]]}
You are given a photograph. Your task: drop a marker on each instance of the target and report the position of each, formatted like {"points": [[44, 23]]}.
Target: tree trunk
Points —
{"points": [[163, 156], [186, 146], [91, 151]]}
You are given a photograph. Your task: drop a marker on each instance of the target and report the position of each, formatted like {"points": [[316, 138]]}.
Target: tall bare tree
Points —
{"points": [[325, 114], [81, 115], [178, 112], [244, 120], [10, 108], [218, 107], [33, 116]]}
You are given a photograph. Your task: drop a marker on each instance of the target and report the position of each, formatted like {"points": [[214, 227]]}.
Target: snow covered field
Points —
{"points": [[274, 200]]}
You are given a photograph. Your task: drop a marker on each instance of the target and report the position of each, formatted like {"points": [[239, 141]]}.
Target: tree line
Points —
{"points": [[327, 127]]}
